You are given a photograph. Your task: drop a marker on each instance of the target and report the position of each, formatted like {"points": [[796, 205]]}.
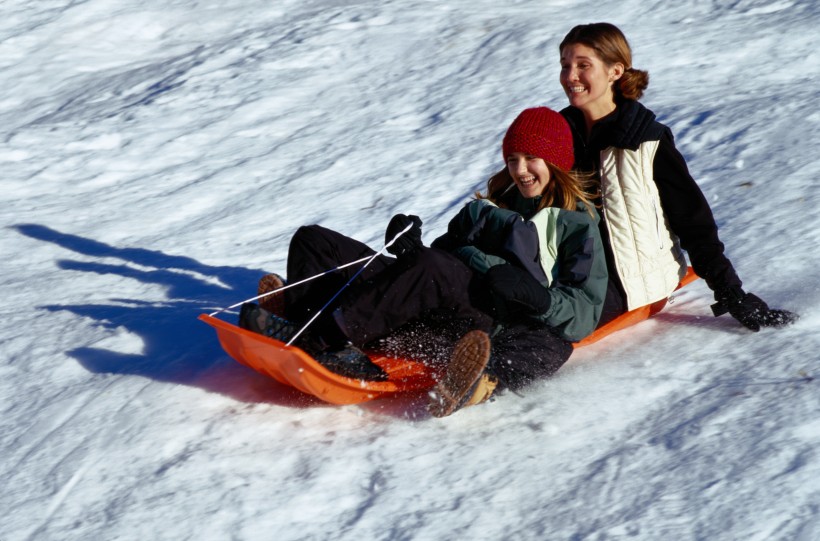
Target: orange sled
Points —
{"points": [[292, 366]]}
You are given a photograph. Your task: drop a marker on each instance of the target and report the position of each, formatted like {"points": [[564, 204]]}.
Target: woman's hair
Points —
{"points": [[611, 45], [564, 190]]}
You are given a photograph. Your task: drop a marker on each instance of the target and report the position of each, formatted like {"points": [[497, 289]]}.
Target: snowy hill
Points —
{"points": [[158, 155]]}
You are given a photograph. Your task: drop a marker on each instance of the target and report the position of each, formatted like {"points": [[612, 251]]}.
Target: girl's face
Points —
{"points": [[531, 174], [587, 80]]}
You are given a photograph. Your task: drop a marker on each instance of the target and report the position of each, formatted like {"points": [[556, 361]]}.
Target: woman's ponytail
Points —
{"points": [[632, 84]]}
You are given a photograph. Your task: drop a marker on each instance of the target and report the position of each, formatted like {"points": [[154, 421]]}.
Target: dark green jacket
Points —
{"points": [[561, 248]]}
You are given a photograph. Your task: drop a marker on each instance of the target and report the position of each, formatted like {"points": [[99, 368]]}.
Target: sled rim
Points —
{"points": [[633, 317], [291, 366]]}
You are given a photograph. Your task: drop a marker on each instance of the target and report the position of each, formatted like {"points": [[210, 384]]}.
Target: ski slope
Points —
{"points": [[158, 155]]}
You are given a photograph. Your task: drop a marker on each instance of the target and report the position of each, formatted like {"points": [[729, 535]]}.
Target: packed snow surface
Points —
{"points": [[156, 158]]}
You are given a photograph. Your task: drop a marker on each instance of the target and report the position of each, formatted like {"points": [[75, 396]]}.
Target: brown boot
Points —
{"points": [[464, 382], [482, 391], [274, 303]]}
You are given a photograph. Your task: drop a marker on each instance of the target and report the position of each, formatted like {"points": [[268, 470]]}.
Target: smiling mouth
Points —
{"points": [[527, 181], [575, 89]]}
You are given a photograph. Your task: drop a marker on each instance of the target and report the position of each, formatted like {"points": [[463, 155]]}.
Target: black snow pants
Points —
{"points": [[525, 351], [432, 285]]}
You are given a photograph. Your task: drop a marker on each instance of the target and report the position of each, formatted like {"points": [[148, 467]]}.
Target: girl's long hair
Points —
{"points": [[565, 189]]}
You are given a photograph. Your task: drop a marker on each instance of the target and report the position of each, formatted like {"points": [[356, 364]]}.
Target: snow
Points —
{"points": [[158, 155]]}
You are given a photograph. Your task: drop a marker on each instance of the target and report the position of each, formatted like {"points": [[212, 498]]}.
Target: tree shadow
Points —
{"points": [[178, 348]]}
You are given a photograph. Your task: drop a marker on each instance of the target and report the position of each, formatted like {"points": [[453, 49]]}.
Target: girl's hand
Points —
{"points": [[410, 241]]}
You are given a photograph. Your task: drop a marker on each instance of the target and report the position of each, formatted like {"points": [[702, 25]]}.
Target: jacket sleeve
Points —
{"points": [[690, 217], [477, 233], [578, 291]]}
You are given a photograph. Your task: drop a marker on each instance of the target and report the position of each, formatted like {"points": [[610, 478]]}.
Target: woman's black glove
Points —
{"points": [[410, 242], [517, 289], [750, 310]]}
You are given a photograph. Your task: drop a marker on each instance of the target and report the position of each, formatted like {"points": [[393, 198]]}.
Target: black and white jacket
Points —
{"points": [[652, 206]]}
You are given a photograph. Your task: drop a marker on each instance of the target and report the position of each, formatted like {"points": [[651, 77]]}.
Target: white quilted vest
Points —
{"points": [[648, 257]]}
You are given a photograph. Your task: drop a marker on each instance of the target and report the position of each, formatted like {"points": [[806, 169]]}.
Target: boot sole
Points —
{"points": [[275, 303], [469, 359]]}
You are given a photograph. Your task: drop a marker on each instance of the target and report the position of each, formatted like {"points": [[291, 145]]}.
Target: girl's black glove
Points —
{"points": [[410, 242], [750, 310], [517, 289]]}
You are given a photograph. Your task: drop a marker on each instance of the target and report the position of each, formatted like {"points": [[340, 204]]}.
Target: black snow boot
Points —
{"points": [[345, 359], [259, 320], [351, 362]]}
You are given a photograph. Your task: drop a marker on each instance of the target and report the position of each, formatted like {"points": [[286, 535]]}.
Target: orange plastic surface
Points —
{"points": [[292, 366], [634, 316]]}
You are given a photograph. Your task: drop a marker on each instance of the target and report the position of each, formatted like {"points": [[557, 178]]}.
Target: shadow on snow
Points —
{"points": [[178, 348]]}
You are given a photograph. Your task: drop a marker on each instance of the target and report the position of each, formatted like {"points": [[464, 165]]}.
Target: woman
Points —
{"points": [[652, 207]]}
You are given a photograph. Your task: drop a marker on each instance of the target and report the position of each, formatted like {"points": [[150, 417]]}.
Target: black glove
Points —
{"points": [[410, 242], [518, 289], [750, 310]]}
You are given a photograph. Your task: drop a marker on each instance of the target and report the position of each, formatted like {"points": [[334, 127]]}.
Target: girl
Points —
{"points": [[534, 238], [523, 263], [651, 205]]}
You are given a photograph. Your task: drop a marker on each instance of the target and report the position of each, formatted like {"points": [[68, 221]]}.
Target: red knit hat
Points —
{"points": [[541, 132]]}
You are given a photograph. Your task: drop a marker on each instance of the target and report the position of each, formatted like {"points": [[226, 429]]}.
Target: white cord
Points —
{"points": [[288, 286], [373, 257], [369, 259]]}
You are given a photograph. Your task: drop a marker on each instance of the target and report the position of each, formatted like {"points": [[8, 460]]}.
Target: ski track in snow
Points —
{"points": [[157, 157]]}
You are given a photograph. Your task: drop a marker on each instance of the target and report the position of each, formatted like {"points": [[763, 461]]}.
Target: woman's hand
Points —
{"points": [[750, 310]]}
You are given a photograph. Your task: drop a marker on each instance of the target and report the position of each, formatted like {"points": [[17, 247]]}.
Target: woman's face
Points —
{"points": [[587, 80], [531, 174]]}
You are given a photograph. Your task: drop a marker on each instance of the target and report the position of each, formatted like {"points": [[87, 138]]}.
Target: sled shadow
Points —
{"points": [[178, 348]]}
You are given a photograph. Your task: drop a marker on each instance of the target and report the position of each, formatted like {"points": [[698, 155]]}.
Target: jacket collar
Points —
{"points": [[623, 128]]}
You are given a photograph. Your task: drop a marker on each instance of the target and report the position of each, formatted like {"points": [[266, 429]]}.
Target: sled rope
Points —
{"points": [[294, 284], [358, 272]]}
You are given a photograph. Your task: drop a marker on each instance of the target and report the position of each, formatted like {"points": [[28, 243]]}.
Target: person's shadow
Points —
{"points": [[178, 348]]}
